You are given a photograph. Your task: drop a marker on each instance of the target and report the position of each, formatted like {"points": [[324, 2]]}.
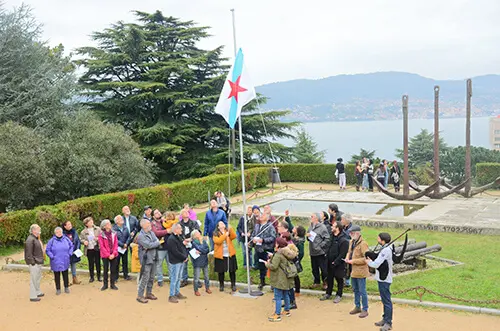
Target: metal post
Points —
{"points": [[468, 172], [233, 131], [436, 137], [406, 173]]}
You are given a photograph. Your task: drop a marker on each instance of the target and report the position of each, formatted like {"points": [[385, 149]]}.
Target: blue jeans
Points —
{"points": [[281, 295], [162, 255], [185, 271], [245, 254], [291, 294], [196, 280], [359, 288], [385, 295], [73, 269], [175, 278]]}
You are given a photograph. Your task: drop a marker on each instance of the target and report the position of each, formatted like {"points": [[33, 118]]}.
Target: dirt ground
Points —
{"points": [[87, 308]]}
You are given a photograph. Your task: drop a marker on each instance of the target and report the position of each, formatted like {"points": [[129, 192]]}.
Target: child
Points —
{"points": [[299, 238], [201, 262]]}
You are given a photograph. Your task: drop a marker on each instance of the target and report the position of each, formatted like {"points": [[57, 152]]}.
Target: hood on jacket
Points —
{"points": [[290, 251]]}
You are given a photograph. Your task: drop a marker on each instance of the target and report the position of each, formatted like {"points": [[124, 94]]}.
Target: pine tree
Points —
{"points": [[152, 78], [306, 150]]}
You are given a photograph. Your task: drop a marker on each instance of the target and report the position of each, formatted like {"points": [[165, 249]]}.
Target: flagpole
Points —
{"points": [[233, 134], [243, 189]]}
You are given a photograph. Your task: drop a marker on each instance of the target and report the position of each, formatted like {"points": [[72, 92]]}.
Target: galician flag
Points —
{"points": [[237, 92]]}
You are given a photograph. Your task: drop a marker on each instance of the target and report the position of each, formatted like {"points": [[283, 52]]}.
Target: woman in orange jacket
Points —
{"points": [[225, 254]]}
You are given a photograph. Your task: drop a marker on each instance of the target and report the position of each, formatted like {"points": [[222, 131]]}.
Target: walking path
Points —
{"points": [[87, 308]]}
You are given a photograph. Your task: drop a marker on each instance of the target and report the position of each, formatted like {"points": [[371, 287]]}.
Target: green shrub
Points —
{"points": [[14, 226], [487, 173], [296, 172]]}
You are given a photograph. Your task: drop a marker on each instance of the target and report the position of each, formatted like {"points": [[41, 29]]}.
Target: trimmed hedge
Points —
{"points": [[296, 172], [487, 173], [14, 226]]}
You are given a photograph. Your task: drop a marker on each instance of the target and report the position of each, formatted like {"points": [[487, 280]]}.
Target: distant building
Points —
{"points": [[495, 133]]}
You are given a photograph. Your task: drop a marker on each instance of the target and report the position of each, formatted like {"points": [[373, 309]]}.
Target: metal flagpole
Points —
{"points": [[243, 189]]}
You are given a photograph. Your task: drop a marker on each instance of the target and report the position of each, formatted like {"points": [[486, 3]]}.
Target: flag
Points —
{"points": [[237, 92]]}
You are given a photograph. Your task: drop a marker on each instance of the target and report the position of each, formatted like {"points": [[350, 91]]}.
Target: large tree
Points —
{"points": [[151, 77], [306, 150], [421, 149]]}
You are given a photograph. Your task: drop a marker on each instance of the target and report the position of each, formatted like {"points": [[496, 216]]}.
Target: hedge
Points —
{"points": [[487, 173], [14, 226], [296, 172]]}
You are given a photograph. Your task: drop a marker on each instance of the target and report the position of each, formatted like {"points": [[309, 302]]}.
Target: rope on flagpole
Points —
{"points": [[265, 132]]}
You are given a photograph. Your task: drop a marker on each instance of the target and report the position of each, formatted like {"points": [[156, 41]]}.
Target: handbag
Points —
{"points": [[298, 265]]}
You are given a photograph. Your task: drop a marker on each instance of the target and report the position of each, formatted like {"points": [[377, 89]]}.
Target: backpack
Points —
{"points": [[290, 270]]}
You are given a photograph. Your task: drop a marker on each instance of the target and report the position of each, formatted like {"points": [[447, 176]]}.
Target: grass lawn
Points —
{"points": [[478, 278], [9, 250]]}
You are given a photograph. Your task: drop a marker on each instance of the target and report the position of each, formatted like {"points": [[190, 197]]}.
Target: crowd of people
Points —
{"points": [[364, 172], [274, 246]]}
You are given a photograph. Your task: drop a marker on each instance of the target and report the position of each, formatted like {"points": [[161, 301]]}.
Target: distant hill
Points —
{"points": [[377, 96]]}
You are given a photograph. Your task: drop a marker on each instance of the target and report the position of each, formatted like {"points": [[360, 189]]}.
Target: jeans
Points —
{"points": [[185, 271], [291, 295], [318, 263], [281, 295], [175, 278], [370, 182], [110, 266], [94, 260], [162, 255], [147, 278], [245, 254], [57, 279], [35, 278], [385, 294], [73, 269], [196, 280], [123, 259], [359, 289]]}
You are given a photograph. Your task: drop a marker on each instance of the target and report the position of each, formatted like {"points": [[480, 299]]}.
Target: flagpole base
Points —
{"points": [[254, 293]]}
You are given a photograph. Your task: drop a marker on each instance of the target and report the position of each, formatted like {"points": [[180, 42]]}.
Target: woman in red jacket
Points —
{"points": [[108, 243]]}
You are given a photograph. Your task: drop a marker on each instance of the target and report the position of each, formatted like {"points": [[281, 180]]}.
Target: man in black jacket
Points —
{"points": [[177, 255], [336, 265], [124, 239], [188, 226]]}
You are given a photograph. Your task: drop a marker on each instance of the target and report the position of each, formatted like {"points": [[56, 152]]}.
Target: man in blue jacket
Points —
{"points": [[212, 218], [124, 238]]}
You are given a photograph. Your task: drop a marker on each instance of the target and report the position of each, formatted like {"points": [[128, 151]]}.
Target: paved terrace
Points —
{"points": [[478, 215]]}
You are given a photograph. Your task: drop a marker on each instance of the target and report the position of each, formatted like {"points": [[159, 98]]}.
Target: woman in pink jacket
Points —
{"points": [[108, 243]]}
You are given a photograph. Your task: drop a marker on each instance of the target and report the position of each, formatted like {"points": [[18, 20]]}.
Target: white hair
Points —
{"points": [[176, 226], [195, 233], [33, 227], [144, 221], [347, 217], [58, 228], [104, 222]]}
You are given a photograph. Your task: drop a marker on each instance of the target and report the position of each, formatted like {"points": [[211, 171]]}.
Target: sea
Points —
{"points": [[343, 139]]}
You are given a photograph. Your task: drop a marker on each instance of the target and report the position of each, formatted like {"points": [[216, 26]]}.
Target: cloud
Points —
{"points": [[312, 39]]}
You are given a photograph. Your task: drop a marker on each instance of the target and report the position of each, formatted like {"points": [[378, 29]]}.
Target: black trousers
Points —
{"points": [[110, 266], [297, 284], [370, 182], [123, 259], [232, 276], [318, 264], [359, 181], [334, 273], [57, 278], [94, 260]]}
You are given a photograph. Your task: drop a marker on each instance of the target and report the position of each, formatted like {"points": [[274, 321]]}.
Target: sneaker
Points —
{"points": [[221, 288], [35, 300], [184, 283], [380, 323], [363, 314], [287, 313], [180, 296], [141, 300], [233, 288], [173, 300], [113, 287], [337, 299], [41, 295], [209, 291], [160, 284], [128, 278], [293, 305], [197, 293], [151, 296], [325, 297], [58, 292], [274, 318], [66, 290], [386, 327], [355, 311]]}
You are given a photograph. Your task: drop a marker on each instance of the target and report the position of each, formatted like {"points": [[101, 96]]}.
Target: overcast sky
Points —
{"points": [[290, 39]]}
